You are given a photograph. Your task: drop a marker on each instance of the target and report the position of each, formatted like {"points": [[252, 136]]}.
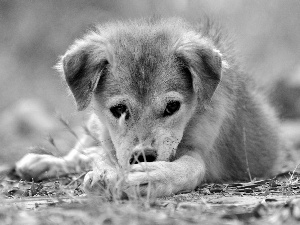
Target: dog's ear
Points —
{"points": [[82, 66], [203, 61]]}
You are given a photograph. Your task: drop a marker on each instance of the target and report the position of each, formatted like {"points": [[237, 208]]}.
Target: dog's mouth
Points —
{"points": [[147, 155]]}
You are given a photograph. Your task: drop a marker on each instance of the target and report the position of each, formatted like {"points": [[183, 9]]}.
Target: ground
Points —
{"points": [[62, 201]]}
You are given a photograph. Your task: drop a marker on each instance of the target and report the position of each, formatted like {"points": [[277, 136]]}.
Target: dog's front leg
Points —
{"points": [[43, 166], [166, 178]]}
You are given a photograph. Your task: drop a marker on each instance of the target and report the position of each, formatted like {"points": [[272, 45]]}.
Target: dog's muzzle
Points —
{"points": [[143, 155]]}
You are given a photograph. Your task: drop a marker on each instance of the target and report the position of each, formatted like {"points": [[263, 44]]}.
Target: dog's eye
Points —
{"points": [[119, 110], [171, 108]]}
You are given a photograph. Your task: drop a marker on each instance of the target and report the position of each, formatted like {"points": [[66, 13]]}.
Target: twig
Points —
{"points": [[247, 162], [65, 123]]}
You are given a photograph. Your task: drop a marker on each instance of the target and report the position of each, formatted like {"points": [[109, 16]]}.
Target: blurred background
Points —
{"points": [[34, 33]]}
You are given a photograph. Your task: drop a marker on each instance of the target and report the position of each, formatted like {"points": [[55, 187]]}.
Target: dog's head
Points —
{"points": [[147, 80]]}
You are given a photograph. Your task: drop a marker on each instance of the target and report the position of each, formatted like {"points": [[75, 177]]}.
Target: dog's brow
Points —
{"points": [[165, 97], [173, 95]]}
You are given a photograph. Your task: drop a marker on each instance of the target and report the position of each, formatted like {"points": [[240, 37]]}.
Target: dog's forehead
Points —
{"points": [[141, 54], [143, 66]]}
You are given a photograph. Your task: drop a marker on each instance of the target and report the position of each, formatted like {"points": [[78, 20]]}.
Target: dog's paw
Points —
{"points": [[100, 182], [39, 167], [94, 184], [154, 178]]}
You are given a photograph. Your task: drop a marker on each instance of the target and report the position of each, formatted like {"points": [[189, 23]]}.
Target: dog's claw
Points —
{"points": [[99, 183]]}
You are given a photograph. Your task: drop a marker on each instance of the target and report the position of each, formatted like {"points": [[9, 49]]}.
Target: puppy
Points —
{"points": [[170, 106]]}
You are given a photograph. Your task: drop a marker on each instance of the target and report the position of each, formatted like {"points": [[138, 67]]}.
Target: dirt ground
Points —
{"points": [[62, 201]]}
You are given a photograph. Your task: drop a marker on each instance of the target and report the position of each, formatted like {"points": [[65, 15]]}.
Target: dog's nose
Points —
{"points": [[143, 155]]}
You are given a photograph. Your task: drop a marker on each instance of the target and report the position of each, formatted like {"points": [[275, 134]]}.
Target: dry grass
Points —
{"points": [[63, 201]]}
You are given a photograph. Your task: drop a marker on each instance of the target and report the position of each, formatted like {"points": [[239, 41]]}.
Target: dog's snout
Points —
{"points": [[143, 155]]}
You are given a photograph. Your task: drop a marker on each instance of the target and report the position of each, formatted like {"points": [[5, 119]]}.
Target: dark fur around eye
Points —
{"points": [[119, 110], [171, 108]]}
